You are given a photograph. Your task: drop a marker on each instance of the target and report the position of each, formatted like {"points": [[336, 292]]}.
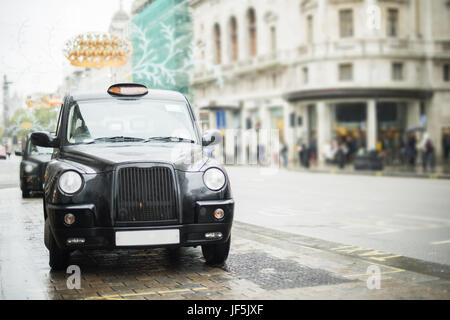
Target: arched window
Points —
{"points": [[233, 39], [252, 42], [217, 44]]}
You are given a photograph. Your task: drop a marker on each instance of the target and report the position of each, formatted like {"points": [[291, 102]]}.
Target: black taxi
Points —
{"points": [[129, 170]]}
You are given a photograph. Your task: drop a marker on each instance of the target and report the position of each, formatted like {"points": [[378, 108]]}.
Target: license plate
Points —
{"points": [[147, 238]]}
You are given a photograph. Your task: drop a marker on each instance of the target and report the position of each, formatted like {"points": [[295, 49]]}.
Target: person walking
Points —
{"points": [[411, 149], [341, 154], [446, 147], [284, 153], [427, 148]]}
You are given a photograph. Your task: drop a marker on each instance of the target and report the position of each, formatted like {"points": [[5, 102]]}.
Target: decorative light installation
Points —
{"points": [[97, 50]]}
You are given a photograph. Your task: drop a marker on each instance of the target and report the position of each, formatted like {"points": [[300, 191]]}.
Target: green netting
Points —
{"points": [[162, 45]]}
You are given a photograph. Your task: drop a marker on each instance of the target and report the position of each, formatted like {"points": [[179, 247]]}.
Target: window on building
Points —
{"points": [[392, 23], [273, 39], [397, 71], [446, 72], [346, 23], [234, 39], [346, 72], [305, 75], [310, 29], [217, 44], [252, 41]]}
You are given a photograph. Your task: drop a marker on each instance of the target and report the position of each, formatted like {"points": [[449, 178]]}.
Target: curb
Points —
{"points": [[432, 176]]}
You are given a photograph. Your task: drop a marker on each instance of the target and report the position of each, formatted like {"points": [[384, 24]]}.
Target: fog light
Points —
{"points": [[69, 219], [213, 235], [75, 241], [219, 214]]}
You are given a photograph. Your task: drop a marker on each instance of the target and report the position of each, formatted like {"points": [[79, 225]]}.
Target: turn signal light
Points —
{"points": [[219, 214], [69, 219]]}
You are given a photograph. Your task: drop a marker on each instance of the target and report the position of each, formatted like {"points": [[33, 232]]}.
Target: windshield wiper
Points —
{"points": [[118, 139], [169, 139]]}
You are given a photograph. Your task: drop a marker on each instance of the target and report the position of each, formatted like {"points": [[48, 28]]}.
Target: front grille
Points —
{"points": [[146, 194]]}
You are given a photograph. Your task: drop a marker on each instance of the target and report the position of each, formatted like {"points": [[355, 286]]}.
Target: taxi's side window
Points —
{"points": [[78, 131]]}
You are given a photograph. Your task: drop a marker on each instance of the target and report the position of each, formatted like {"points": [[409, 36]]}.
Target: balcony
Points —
{"points": [[204, 74]]}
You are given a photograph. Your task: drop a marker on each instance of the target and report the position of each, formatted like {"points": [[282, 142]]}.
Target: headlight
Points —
{"points": [[28, 168], [70, 182], [214, 179]]}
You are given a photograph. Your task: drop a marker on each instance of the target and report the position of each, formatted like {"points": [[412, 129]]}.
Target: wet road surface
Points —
{"points": [[405, 216], [263, 264]]}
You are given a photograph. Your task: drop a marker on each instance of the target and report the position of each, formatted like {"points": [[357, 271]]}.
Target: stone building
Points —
{"points": [[323, 69]]}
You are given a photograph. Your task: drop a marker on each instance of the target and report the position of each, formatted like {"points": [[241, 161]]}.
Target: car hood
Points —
{"points": [[105, 157]]}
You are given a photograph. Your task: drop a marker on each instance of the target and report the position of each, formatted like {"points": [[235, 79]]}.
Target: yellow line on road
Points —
{"points": [[369, 274], [145, 293], [393, 270]]}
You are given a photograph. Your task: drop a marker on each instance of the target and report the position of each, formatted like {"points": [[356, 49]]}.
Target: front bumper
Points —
{"points": [[97, 237]]}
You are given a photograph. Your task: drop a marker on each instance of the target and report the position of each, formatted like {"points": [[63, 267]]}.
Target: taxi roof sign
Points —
{"points": [[128, 89]]}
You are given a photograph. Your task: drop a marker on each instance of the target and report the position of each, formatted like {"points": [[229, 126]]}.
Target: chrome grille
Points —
{"points": [[146, 194]]}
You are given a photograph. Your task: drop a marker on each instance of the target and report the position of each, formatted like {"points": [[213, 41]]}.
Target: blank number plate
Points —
{"points": [[147, 238]]}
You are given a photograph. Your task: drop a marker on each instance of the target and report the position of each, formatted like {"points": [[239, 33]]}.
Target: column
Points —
{"points": [[371, 125], [413, 114], [242, 157], [323, 128], [289, 131]]}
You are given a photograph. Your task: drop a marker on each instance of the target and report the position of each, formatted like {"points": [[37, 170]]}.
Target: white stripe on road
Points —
{"points": [[440, 242]]}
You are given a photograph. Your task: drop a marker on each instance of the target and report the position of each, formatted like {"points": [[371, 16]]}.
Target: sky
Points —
{"points": [[33, 34]]}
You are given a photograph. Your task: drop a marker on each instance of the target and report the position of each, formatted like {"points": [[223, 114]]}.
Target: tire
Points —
{"points": [[58, 258], [26, 194], [216, 254]]}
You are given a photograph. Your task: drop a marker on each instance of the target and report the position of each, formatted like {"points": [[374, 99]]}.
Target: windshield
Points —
{"points": [[36, 150], [131, 121]]}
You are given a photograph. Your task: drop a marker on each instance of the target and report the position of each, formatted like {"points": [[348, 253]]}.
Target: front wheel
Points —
{"points": [[59, 258], [216, 254]]}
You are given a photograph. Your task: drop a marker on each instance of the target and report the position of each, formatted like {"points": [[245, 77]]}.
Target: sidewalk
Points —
{"points": [[440, 172]]}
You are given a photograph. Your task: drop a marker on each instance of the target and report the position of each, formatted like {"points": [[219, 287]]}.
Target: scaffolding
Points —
{"points": [[162, 45]]}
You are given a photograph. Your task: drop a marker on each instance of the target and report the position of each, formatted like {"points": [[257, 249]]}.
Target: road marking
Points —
{"points": [[344, 247], [384, 258], [146, 293], [447, 221], [371, 254], [440, 242], [393, 270]]}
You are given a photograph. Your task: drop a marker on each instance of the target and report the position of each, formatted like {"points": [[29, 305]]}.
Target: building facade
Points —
{"points": [[320, 70]]}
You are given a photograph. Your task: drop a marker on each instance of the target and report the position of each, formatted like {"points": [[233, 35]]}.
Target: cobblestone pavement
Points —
{"points": [[263, 264]]}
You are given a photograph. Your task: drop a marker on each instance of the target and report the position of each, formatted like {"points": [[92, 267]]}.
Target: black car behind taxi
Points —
{"points": [[32, 167], [129, 171]]}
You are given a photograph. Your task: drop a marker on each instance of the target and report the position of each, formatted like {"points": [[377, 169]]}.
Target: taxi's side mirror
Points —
{"points": [[211, 137], [18, 153], [44, 139]]}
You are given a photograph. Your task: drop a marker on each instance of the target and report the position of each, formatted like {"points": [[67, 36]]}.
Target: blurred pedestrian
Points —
{"points": [[341, 154], [304, 154], [427, 148], [411, 149], [446, 147], [8, 152], [329, 153], [313, 150], [284, 153]]}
